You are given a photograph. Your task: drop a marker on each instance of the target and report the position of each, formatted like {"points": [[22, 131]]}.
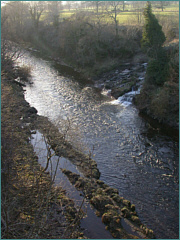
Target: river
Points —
{"points": [[132, 156]]}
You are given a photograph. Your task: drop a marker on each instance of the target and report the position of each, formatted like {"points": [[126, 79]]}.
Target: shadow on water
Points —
{"points": [[63, 69], [157, 128]]}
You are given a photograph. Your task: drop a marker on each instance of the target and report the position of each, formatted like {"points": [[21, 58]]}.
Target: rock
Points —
{"points": [[73, 177], [111, 191], [98, 214], [132, 207], [151, 234], [96, 173], [65, 171], [80, 183], [110, 207], [105, 186], [117, 199], [32, 110], [125, 72], [136, 220], [127, 203], [101, 183], [100, 191], [126, 212], [107, 218], [100, 201]]}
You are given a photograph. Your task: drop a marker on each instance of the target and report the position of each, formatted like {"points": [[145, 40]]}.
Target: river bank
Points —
{"points": [[32, 207]]}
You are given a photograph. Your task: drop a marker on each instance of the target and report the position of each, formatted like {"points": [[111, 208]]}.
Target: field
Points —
{"points": [[130, 16]]}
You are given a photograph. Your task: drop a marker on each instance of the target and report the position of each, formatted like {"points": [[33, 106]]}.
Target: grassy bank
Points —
{"points": [[32, 207]]}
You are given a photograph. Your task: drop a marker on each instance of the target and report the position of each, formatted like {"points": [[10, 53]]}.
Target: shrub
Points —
{"points": [[153, 36], [24, 73], [157, 72]]}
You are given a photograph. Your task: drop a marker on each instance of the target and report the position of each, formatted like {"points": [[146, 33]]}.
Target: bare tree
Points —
{"points": [[123, 3], [68, 4], [13, 19], [36, 9], [96, 5], [112, 9]]}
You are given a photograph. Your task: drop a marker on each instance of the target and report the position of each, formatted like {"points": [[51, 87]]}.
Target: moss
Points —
{"points": [[111, 191], [107, 228], [99, 201], [80, 184], [112, 208], [136, 220], [73, 177], [133, 208], [117, 199], [105, 186], [127, 203], [126, 212], [100, 191], [107, 217], [100, 182], [150, 234], [98, 214]]}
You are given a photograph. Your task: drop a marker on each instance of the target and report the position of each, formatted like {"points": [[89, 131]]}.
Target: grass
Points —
{"points": [[167, 9], [66, 14], [129, 16]]}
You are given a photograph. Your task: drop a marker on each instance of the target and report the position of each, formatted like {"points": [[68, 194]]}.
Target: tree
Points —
{"points": [[36, 9], [96, 4], [54, 8], [113, 11], [152, 41], [123, 3], [13, 19], [153, 36], [161, 5]]}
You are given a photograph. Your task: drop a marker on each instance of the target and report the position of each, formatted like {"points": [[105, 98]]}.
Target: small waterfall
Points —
{"points": [[127, 98]]}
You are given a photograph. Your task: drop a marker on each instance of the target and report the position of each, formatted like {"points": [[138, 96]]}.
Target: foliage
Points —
{"points": [[157, 70], [159, 96], [86, 35], [152, 41], [160, 100], [23, 73], [153, 36]]}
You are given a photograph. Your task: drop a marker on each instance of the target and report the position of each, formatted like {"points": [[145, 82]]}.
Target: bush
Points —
{"points": [[24, 73], [157, 72]]}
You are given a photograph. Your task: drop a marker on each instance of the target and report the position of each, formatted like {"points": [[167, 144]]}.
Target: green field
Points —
{"points": [[130, 16]]}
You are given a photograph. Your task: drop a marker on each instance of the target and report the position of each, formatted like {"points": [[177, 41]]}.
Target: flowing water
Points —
{"points": [[138, 160], [93, 231]]}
